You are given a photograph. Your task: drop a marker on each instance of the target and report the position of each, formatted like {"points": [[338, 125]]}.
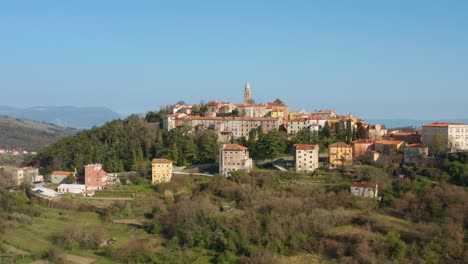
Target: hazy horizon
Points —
{"points": [[376, 60]]}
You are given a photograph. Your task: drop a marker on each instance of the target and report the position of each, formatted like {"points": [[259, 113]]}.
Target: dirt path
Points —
{"points": [[14, 250], [78, 259], [134, 222]]}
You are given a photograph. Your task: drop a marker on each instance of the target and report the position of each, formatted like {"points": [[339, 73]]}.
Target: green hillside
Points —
{"points": [[30, 135]]}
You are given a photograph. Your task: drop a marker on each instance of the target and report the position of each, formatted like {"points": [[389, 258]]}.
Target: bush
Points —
{"points": [[72, 237], [21, 218], [54, 255]]}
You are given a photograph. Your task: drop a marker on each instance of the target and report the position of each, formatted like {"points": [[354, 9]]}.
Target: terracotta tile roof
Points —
{"points": [[299, 119], [389, 142], [364, 184], [402, 134], [441, 124], [339, 145], [234, 147], [416, 145], [250, 105], [363, 141], [162, 161], [305, 147], [63, 172]]}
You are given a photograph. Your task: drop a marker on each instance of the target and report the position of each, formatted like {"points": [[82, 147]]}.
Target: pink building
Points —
{"points": [[95, 177]]}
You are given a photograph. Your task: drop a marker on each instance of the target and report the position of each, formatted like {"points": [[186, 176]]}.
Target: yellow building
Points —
{"points": [[340, 154], [161, 171]]}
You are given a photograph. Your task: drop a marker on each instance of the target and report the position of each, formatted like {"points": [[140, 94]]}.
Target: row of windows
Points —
{"points": [[311, 156], [311, 167]]}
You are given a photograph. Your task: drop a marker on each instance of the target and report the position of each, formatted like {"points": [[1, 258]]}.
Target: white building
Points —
{"points": [[454, 135], [297, 124], [71, 188], [306, 158], [234, 157], [364, 189], [376, 132]]}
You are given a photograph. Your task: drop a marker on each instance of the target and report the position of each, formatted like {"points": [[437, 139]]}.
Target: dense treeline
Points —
{"points": [[119, 145]]}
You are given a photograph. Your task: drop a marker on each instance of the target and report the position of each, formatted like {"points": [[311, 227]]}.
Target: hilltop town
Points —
{"points": [[186, 165]]}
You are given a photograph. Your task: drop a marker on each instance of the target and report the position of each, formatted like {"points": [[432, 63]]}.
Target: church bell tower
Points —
{"points": [[247, 94]]}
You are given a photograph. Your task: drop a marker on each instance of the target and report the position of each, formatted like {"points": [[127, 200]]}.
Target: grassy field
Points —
{"points": [[38, 238]]}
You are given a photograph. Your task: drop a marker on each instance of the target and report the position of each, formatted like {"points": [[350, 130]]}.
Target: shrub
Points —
{"points": [[55, 255], [21, 218]]}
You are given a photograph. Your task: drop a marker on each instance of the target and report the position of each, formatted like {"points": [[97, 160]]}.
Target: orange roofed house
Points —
{"points": [[161, 171], [340, 154], [59, 177], [306, 158], [234, 157], [95, 177]]}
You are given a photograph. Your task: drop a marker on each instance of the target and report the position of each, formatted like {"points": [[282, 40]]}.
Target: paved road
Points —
{"points": [[191, 173]]}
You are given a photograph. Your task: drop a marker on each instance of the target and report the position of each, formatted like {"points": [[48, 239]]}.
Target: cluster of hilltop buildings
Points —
{"points": [[383, 148], [234, 121]]}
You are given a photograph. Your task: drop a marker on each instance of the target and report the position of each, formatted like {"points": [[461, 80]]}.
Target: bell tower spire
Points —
{"points": [[247, 94]]}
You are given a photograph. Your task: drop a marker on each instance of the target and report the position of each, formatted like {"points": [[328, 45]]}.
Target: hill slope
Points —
{"points": [[65, 116], [28, 134], [119, 145]]}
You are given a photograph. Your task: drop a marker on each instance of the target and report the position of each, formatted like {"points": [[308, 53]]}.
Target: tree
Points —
{"points": [[268, 146], [278, 101], [339, 132], [349, 131], [71, 179], [438, 145], [306, 136], [396, 246], [208, 147], [325, 132], [361, 131]]}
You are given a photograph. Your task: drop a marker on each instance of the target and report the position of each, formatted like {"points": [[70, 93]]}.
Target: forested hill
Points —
{"points": [[115, 144], [128, 145], [29, 135]]}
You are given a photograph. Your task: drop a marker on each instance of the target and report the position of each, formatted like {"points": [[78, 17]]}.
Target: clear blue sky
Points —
{"points": [[375, 59]]}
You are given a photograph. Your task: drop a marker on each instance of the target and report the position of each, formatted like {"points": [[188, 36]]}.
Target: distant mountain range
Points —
{"points": [[64, 116], [30, 135], [396, 123]]}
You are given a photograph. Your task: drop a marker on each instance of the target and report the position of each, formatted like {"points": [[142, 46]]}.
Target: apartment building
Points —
{"points": [[306, 158], [234, 157], [95, 177], [237, 126], [340, 154], [161, 171], [454, 136]]}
